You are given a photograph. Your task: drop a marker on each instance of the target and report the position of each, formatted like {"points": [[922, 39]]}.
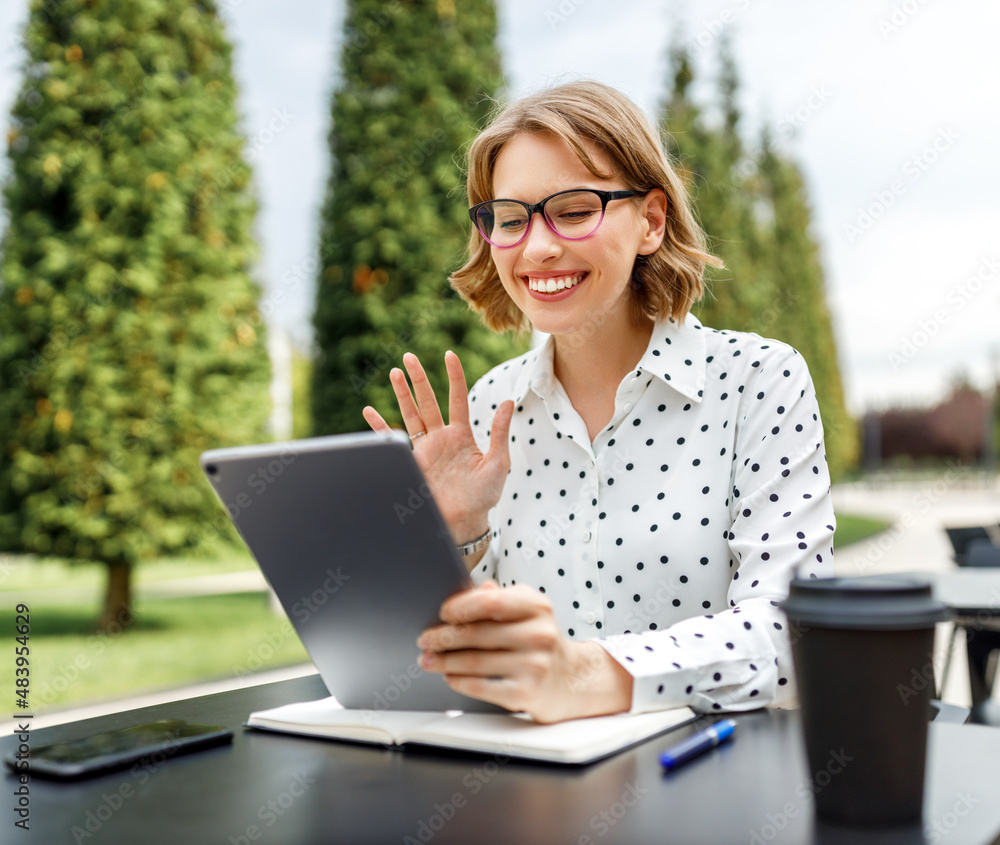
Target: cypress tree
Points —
{"points": [[803, 318], [416, 80], [713, 161], [753, 206], [130, 339]]}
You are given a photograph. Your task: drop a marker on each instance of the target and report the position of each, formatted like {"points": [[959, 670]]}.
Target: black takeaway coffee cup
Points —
{"points": [[863, 652]]}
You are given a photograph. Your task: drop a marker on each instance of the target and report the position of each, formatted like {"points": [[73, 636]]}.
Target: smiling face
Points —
{"points": [[567, 287]]}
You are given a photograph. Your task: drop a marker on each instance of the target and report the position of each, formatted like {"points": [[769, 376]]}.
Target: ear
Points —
{"points": [[654, 214]]}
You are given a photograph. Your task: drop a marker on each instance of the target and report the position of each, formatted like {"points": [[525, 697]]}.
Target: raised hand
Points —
{"points": [[464, 481]]}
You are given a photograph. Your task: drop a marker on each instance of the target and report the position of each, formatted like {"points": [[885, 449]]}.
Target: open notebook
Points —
{"points": [[515, 735]]}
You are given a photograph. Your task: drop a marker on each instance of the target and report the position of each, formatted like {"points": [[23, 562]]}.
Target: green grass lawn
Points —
{"points": [[174, 642], [852, 529]]}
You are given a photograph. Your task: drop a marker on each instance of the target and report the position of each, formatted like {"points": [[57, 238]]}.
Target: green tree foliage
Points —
{"points": [[793, 257], [416, 80], [753, 205], [129, 332]]}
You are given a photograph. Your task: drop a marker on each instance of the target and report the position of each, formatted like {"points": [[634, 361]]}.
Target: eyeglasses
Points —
{"points": [[572, 215]]}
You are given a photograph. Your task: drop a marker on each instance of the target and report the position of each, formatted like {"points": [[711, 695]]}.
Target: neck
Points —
{"points": [[591, 369]]}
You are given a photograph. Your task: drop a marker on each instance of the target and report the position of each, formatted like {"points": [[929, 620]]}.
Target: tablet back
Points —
{"points": [[346, 532]]}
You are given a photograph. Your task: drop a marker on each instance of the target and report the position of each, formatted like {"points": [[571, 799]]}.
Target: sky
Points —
{"points": [[890, 107]]}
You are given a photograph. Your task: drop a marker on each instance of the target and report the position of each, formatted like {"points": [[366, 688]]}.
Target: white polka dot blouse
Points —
{"points": [[671, 538]]}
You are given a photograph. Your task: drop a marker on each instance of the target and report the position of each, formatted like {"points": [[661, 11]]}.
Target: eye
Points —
{"points": [[574, 209], [577, 215], [511, 224], [509, 217]]}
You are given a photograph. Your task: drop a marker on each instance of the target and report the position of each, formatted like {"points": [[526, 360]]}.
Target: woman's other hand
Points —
{"points": [[504, 646], [464, 481]]}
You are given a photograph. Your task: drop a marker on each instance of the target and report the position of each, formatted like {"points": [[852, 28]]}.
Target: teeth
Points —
{"points": [[554, 284]]}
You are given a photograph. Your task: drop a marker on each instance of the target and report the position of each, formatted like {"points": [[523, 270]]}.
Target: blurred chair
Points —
{"points": [[983, 540], [951, 714], [962, 537], [980, 644], [982, 552]]}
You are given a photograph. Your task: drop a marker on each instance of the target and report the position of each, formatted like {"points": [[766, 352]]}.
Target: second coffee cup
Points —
{"points": [[863, 654]]}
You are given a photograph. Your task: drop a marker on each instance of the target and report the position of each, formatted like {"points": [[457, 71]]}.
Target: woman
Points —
{"points": [[634, 495]]}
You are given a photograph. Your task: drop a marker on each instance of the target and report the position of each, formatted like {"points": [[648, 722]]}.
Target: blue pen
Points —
{"points": [[697, 744]]}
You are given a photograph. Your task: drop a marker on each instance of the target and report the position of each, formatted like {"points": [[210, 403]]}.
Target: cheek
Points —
{"points": [[504, 267]]}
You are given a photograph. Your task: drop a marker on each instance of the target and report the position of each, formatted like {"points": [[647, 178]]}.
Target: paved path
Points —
{"points": [[915, 542], [919, 512]]}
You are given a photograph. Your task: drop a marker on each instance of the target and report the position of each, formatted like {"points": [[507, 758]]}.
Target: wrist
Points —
{"points": [[600, 680], [475, 546], [467, 530]]}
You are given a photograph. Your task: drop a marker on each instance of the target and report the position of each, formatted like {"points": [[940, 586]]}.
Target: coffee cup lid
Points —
{"points": [[866, 602]]}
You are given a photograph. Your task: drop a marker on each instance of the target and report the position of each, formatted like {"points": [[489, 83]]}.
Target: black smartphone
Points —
{"points": [[147, 746]]}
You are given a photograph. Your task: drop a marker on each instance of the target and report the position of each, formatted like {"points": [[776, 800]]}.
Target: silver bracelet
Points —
{"points": [[477, 545]]}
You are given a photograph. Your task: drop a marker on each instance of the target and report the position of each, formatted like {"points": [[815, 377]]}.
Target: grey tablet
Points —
{"points": [[346, 532]]}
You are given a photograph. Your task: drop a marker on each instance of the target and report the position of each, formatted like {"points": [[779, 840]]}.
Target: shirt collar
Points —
{"points": [[538, 374], [675, 355]]}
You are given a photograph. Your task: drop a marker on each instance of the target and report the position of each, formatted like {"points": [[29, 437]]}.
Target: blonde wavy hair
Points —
{"points": [[665, 283]]}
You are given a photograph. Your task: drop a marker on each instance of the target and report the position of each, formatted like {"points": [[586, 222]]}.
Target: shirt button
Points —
{"points": [[628, 407], [586, 536], [590, 618]]}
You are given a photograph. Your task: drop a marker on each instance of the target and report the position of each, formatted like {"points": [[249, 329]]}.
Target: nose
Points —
{"points": [[541, 243]]}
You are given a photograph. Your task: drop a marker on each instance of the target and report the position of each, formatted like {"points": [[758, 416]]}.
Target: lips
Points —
{"points": [[554, 284]]}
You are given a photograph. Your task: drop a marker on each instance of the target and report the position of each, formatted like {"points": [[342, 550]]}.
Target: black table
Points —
{"points": [[273, 788], [974, 596]]}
